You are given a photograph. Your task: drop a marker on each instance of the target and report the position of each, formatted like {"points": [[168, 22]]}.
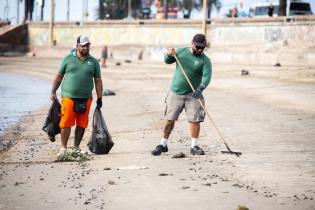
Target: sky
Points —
{"points": [[8, 8]]}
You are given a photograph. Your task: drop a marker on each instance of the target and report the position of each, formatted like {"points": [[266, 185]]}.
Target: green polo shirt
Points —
{"points": [[78, 79], [197, 68]]}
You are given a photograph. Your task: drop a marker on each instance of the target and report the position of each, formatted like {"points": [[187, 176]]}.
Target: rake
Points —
{"points": [[229, 151]]}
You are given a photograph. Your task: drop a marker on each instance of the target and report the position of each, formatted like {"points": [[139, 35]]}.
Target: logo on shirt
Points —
{"points": [[89, 63], [196, 63]]}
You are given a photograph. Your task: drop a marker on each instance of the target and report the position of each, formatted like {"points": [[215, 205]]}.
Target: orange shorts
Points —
{"points": [[69, 118]]}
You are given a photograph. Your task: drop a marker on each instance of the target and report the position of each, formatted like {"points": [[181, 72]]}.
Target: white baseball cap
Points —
{"points": [[83, 40]]}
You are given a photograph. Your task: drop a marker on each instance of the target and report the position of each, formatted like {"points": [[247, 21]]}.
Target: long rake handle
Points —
{"points": [[204, 108]]}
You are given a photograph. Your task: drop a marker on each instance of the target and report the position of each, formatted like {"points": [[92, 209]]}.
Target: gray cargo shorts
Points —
{"points": [[176, 103]]}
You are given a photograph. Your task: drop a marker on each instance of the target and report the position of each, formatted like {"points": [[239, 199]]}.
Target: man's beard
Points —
{"points": [[196, 53], [84, 53]]}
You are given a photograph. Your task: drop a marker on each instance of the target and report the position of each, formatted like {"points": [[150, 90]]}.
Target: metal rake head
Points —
{"points": [[232, 153]]}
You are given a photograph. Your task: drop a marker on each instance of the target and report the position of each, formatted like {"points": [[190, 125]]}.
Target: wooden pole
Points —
{"points": [[51, 22], [129, 9], [18, 12], [83, 11], [204, 18], [68, 10]]}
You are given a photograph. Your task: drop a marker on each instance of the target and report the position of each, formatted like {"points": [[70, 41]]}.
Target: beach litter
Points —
{"points": [[244, 72], [108, 92], [179, 155], [111, 182], [72, 155], [38, 143], [165, 174], [277, 65], [132, 167], [242, 208]]}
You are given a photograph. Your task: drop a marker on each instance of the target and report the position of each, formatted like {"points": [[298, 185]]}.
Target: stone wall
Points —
{"points": [[116, 33], [295, 34], [231, 40]]}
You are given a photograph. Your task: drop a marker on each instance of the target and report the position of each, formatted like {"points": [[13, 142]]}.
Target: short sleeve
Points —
{"points": [[63, 66], [97, 73]]}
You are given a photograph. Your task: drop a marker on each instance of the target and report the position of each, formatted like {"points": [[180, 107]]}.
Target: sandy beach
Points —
{"points": [[268, 115]]}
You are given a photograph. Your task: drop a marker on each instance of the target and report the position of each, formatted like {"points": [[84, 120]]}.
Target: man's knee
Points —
{"points": [[80, 128], [195, 123], [170, 122]]}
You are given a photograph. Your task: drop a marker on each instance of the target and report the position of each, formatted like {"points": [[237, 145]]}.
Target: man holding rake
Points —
{"points": [[198, 69]]}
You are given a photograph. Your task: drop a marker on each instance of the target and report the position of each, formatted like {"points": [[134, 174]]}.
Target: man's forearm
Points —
{"points": [[99, 87], [56, 83]]}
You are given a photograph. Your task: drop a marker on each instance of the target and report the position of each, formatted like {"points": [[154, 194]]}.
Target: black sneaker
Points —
{"points": [[159, 149], [196, 150]]}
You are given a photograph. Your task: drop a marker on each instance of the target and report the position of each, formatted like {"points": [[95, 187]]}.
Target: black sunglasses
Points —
{"points": [[199, 47]]}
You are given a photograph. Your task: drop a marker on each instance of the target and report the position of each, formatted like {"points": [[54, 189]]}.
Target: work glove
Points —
{"points": [[198, 91], [99, 103]]}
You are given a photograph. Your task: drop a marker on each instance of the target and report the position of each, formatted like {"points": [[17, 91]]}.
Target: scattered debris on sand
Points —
{"points": [[111, 182], [277, 65], [108, 92], [179, 155], [132, 167], [165, 174], [107, 169], [244, 72], [242, 208], [72, 155]]}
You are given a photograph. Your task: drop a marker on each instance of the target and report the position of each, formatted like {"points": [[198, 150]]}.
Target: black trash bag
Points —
{"points": [[101, 141], [51, 125]]}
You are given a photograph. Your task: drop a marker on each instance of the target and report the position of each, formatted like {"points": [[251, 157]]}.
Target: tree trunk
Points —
{"points": [[282, 7], [42, 11], [209, 5], [101, 10]]}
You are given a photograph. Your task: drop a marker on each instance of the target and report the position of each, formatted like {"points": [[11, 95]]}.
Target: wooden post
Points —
{"points": [[51, 22], [83, 11], [18, 12], [204, 18], [129, 9], [68, 10]]}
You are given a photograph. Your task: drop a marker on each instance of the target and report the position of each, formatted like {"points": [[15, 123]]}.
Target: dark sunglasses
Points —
{"points": [[199, 47]]}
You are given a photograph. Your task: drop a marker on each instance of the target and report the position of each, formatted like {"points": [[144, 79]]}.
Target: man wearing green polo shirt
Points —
{"points": [[198, 68], [77, 72]]}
